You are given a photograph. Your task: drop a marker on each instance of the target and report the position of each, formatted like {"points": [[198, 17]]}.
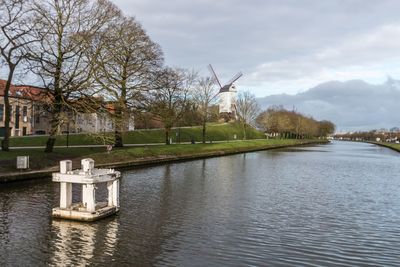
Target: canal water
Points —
{"points": [[325, 205]]}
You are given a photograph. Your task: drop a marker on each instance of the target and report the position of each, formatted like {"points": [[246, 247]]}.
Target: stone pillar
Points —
{"points": [[65, 166], [115, 194], [110, 188], [90, 198], [87, 165], [65, 195], [84, 195]]}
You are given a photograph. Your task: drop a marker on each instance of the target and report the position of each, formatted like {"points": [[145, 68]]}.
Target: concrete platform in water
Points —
{"points": [[78, 214], [88, 176]]}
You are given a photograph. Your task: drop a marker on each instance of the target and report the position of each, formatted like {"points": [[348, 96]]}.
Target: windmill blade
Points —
{"points": [[235, 78], [214, 75], [214, 96]]}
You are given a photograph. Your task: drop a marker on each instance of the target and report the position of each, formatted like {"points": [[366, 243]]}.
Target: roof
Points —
{"points": [[24, 91], [39, 94], [227, 88]]}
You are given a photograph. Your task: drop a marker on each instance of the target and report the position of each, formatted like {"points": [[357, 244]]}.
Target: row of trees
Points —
{"points": [[278, 121], [373, 135], [88, 49]]}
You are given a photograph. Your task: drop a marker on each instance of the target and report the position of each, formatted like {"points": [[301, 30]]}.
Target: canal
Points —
{"points": [[325, 205]]}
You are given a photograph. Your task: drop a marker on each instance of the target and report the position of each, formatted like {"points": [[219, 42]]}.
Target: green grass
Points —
{"points": [[41, 160], [215, 132], [125, 154], [393, 146]]}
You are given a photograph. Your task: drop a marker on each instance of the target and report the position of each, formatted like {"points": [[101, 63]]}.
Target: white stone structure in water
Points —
{"points": [[88, 176]]}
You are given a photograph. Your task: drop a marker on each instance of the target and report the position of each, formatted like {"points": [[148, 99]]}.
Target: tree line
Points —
{"points": [[282, 123], [373, 135]]}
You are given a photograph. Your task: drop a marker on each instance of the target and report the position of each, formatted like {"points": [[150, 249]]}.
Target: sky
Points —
{"points": [[281, 46], [352, 105]]}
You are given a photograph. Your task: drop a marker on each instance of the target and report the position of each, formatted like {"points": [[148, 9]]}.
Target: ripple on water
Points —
{"points": [[333, 205]]}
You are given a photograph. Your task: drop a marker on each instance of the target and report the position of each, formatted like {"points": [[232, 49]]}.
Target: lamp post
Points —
{"points": [[68, 133]]}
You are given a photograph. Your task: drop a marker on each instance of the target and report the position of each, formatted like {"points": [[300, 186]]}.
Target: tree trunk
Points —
{"points": [[5, 143], [167, 130], [244, 131], [118, 142], [55, 122], [58, 99], [118, 139], [50, 144]]}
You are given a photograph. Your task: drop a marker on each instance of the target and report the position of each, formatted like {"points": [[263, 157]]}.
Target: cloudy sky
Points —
{"points": [[284, 46], [352, 105]]}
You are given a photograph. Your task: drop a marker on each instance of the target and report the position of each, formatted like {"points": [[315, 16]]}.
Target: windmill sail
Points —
{"points": [[214, 75], [235, 78]]}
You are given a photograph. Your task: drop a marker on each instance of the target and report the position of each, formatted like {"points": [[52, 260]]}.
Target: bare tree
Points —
{"points": [[16, 25], [171, 97], [204, 96], [61, 59], [126, 64], [291, 124], [247, 110]]}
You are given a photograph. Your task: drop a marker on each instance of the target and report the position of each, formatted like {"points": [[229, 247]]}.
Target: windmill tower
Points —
{"points": [[227, 93]]}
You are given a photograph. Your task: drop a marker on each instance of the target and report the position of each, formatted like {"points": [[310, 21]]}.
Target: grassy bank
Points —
{"points": [[393, 146], [138, 155], [215, 132]]}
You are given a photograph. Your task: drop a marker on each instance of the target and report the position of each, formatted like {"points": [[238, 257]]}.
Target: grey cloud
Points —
{"points": [[244, 35], [351, 105]]}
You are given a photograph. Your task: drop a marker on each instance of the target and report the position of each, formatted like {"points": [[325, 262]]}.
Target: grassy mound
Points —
{"points": [[215, 132]]}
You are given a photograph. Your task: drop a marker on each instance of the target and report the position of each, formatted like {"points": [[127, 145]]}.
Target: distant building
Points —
{"points": [[30, 115], [24, 102]]}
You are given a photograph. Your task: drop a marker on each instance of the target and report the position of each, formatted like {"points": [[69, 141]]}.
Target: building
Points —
{"points": [[30, 115], [227, 99], [25, 102]]}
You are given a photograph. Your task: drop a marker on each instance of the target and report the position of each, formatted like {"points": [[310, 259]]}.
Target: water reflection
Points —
{"points": [[77, 243], [311, 206]]}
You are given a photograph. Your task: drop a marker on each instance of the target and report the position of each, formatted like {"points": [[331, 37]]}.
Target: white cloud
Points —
{"points": [[371, 56]]}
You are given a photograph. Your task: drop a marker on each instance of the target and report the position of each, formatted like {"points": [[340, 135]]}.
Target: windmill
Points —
{"points": [[227, 93]]}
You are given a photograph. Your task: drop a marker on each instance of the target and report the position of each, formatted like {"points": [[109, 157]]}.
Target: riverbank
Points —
{"points": [[44, 164], [395, 147]]}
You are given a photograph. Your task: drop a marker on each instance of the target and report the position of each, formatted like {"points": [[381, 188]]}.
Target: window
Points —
{"points": [[36, 113], [25, 114], [1, 112], [17, 113]]}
